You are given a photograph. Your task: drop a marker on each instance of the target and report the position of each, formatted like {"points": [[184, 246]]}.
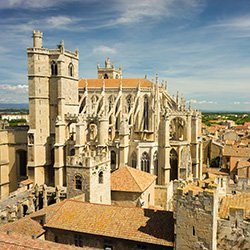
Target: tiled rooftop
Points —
{"points": [[143, 225], [241, 200], [129, 179], [13, 241], [115, 83]]}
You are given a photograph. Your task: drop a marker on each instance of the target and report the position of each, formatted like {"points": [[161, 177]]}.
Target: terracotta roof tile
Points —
{"points": [[115, 83], [129, 179], [143, 225], [13, 241]]}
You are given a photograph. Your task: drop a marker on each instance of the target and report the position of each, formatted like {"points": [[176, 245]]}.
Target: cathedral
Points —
{"points": [[81, 130]]}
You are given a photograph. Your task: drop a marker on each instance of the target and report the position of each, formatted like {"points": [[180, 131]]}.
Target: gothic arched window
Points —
{"points": [[129, 103], [145, 162], [70, 69], [100, 178], [173, 164], [111, 101], [78, 182], [145, 114], [106, 76], [53, 68]]}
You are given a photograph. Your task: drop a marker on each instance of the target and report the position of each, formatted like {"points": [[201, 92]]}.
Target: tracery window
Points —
{"points": [[78, 182], [54, 68], [145, 162]]}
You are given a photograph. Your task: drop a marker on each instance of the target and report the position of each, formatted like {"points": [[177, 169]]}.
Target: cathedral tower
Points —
{"points": [[53, 92]]}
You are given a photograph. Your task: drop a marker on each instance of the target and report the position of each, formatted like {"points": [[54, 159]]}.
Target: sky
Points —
{"points": [[200, 47]]}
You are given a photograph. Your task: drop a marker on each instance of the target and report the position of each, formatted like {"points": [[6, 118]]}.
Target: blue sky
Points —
{"points": [[200, 47]]}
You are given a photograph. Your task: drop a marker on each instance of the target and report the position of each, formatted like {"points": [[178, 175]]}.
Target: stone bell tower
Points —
{"points": [[53, 92]]}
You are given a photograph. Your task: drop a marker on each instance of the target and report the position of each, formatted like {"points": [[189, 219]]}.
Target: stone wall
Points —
{"points": [[97, 242], [196, 220], [234, 233]]}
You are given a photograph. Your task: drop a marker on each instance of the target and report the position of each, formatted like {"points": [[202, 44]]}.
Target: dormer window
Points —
{"points": [[54, 68]]}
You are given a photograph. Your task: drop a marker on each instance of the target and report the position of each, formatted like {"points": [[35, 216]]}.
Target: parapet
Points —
{"points": [[197, 196]]}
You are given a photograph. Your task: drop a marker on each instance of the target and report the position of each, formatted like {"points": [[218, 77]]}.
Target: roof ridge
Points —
{"points": [[131, 173]]}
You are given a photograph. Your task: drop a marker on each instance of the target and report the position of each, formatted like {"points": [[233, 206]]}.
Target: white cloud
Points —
{"points": [[34, 4], [236, 103], [20, 88], [102, 49], [134, 11], [238, 22], [59, 21], [202, 101]]}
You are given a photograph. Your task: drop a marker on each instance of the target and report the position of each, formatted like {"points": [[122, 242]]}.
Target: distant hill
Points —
{"points": [[16, 106]]}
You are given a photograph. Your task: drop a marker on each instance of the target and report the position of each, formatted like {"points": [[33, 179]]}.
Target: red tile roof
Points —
{"points": [[129, 179], [13, 241], [135, 224], [115, 83]]}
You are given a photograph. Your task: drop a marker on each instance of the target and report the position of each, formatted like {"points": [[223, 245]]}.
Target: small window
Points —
{"points": [[100, 178], [106, 76], [78, 182], [193, 231]]}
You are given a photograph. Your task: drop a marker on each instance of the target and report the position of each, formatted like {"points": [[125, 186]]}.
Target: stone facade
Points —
{"points": [[97, 242], [13, 158]]}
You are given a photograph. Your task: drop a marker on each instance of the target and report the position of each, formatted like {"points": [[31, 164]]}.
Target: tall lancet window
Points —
{"points": [[145, 114]]}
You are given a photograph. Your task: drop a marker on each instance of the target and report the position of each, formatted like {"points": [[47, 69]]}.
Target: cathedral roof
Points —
{"points": [[128, 179], [115, 83]]}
